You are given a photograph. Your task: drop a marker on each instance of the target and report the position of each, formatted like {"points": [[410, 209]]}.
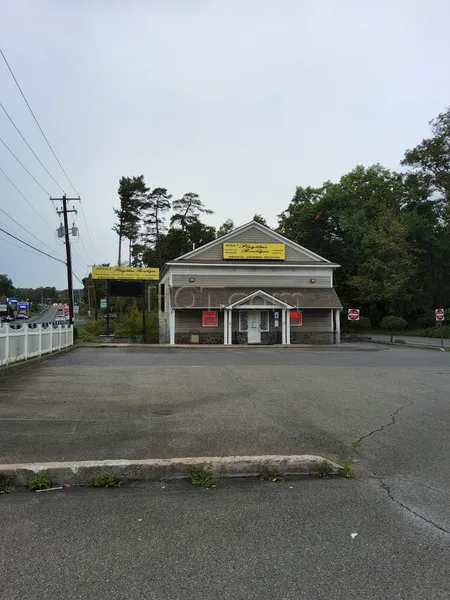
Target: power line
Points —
{"points": [[37, 123], [24, 167], [30, 246], [34, 153], [25, 229], [26, 199], [17, 246], [87, 228]]}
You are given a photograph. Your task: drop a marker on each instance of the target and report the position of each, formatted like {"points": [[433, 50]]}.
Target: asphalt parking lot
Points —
{"points": [[385, 406]]}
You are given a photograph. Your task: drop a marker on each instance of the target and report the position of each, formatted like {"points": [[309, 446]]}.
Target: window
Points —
{"points": [[209, 319], [296, 317], [243, 320], [264, 320]]}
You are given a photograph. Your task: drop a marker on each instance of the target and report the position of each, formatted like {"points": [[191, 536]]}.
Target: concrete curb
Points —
{"points": [[80, 472], [202, 346], [6, 369], [408, 345]]}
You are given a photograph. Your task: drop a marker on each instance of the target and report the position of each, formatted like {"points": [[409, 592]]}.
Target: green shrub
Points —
{"points": [[106, 481], [435, 332], [39, 482], [362, 324], [202, 476], [6, 484], [323, 470], [393, 323]]}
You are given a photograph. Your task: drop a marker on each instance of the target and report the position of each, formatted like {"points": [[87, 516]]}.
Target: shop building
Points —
{"points": [[251, 286]]}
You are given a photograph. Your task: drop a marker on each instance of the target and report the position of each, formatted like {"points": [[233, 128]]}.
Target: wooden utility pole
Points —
{"points": [[64, 212]]}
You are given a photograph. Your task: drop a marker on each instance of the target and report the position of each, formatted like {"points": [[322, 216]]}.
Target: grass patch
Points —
{"points": [[6, 484], [202, 476], [324, 469], [39, 482], [348, 471], [106, 481], [356, 444], [271, 474]]}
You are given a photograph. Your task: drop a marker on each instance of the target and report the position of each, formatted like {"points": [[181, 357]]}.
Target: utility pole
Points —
{"points": [[64, 212]]}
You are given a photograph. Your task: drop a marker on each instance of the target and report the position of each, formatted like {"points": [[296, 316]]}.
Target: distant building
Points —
{"points": [[251, 286]]}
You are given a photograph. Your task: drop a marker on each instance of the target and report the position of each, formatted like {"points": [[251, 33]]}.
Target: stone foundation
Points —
{"points": [[204, 338], [312, 337]]}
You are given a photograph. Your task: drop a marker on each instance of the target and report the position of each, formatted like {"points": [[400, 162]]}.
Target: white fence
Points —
{"points": [[28, 340]]}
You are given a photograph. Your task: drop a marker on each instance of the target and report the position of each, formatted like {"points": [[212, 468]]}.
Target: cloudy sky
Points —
{"points": [[237, 100]]}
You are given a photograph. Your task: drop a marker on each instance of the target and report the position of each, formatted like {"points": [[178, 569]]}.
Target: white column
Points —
{"points": [[288, 326], [230, 326], [26, 340], [283, 326], [172, 326], [225, 326], [337, 315], [7, 342], [332, 325], [39, 329]]}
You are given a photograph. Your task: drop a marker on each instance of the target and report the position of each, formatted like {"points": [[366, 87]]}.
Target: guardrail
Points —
{"points": [[29, 340]]}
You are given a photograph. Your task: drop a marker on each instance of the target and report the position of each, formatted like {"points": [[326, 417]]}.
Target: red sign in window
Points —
{"points": [[296, 317], [209, 319]]}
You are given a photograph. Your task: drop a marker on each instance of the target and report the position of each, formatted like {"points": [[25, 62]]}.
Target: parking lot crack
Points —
{"points": [[391, 495], [388, 424]]}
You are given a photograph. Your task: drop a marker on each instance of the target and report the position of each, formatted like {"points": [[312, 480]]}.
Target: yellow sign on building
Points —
{"points": [[137, 273], [253, 251]]}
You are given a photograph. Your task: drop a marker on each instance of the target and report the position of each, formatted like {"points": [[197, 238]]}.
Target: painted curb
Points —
{"points": [[80, 472], [6, 369]]}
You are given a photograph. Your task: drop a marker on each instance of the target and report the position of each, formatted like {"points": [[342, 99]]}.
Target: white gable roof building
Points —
{"points": [[250, 286]]}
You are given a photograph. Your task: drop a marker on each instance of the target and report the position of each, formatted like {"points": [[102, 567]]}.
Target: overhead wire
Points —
{"points": [[31, 246], [34, 153], [26, 200], [25, 229], [17, 246], [37, 122], [24, 167], [48, 144]]}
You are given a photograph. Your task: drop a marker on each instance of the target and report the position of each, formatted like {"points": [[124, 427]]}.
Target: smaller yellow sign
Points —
{"points": [[137, 273], [244, 251]]}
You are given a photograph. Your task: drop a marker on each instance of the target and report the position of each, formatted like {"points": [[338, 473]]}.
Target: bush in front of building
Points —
{"points": [[393, 323], [358, 326]]}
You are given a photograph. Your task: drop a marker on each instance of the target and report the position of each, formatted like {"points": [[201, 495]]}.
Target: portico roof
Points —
{"points": [[259, 299]]}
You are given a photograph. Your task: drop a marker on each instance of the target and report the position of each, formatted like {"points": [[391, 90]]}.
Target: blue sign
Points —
{"points": [[22, 306], [12, 300]]}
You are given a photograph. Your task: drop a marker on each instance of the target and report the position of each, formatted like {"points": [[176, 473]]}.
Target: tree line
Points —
{"points": [[389, 231]]}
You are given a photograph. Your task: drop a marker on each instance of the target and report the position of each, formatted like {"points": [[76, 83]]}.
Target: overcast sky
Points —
{"points": [[237, 100]]}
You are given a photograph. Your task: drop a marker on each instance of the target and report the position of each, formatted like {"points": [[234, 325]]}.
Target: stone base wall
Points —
{"points": [[312, 337], [204, 338]]}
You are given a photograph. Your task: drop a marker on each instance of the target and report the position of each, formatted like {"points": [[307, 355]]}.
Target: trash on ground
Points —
{"points": [[353, 535], [60, 487]]}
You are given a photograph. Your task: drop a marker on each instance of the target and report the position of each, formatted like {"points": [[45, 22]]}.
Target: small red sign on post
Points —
{"points": [[353, 314], [439, 312]]}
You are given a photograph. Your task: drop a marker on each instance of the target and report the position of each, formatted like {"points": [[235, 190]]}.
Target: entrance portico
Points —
{"points": [[255, 313]]}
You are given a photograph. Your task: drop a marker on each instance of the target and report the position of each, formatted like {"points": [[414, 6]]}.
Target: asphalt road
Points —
{"points": [[409, 339], [242, 541], [48, 315]]}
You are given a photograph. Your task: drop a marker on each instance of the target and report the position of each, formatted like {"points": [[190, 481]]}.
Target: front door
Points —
{"points": [[254, 330]]}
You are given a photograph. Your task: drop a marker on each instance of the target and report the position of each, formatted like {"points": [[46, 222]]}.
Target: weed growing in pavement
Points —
{"points": [[271, 474], [6, 484], [356, 444], [202, 476], [348, 470], [106, 481], [324, 469], [39, 482]]}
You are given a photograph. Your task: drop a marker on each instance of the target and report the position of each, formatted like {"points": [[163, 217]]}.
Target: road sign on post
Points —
{"points": [[103, 303], [439, 312], [353, 314]]}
